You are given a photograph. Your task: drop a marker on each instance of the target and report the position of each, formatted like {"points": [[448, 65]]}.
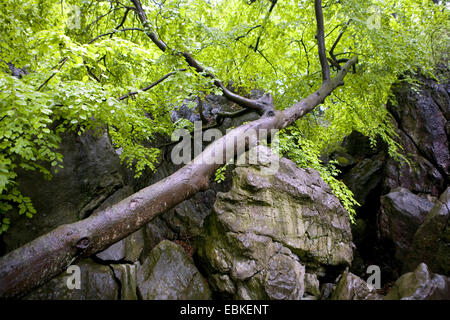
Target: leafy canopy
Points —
{"points": [[80, 56]]}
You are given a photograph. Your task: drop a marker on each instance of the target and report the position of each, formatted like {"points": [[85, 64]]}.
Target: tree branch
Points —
{"points": [[306, 53], [101, 17], [219, 120], [274, 2], [248, 32], [113, 32], [61, 63], [307, 104], [263, 106], [124, 18], [129, 94], [143, 18], [334, 61], [321, 41], [260, 53], [235, 114], [89, 71]]}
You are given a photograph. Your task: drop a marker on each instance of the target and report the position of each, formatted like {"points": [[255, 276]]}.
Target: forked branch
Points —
{"points": [[264, 105], [129, 94], [321, 41]]}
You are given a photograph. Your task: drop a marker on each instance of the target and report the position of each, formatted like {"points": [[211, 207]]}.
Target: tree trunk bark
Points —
{"points": [[45, 257]]}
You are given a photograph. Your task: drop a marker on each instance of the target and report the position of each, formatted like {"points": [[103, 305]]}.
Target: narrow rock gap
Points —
{"points": [[119, 283], [110, 262]]}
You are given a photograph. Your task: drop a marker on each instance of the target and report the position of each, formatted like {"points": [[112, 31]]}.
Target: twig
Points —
{"points": [[262, 105], [306, 53], [151, 85], [248, 32], [274, 2], [113, 32], [63, 61]]}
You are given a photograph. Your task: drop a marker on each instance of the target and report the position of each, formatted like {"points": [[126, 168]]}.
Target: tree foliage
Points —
{"points": [[81, 57]]}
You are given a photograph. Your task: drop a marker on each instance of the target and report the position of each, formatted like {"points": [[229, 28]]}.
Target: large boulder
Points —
{"points": [[253, 267], [431, 242], [401, 214], [420, 285], [168, 273], [420, 114], [352, 287], [91, 174], [420, 175], [290, 220]]}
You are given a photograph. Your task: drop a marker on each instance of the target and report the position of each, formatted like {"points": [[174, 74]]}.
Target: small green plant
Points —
{"points": [[220, 173]]}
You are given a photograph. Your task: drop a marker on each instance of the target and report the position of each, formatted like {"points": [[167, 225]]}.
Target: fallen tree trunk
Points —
{"points": [[40, 260]]}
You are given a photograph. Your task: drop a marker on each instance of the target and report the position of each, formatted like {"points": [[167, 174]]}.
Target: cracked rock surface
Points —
{"points": [[168, 273]]}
